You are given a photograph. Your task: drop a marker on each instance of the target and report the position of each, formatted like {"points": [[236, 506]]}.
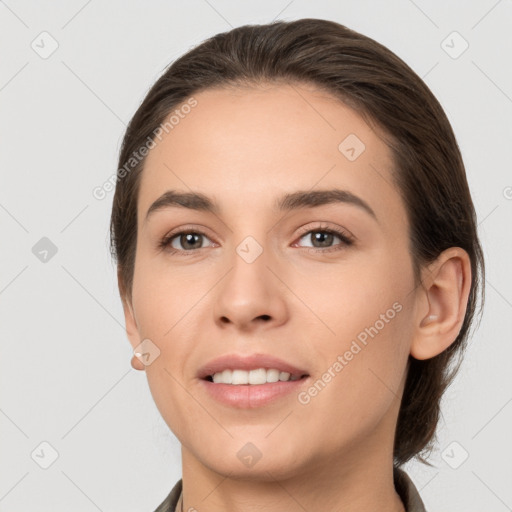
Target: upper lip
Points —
{"points": [[248, 362]]}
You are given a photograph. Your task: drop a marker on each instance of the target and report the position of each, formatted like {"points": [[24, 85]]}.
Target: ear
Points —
{"points": [[132, 330], [442, 302]]}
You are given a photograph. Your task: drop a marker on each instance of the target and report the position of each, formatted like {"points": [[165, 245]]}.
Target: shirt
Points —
{"points": [[403, 484]]}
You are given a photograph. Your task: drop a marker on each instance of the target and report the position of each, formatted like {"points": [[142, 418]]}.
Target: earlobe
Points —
{"points": [[137, 364], [445, 290]]}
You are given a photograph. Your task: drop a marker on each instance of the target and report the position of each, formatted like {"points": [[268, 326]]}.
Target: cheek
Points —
{"points": [[352, 294], [365, 330], [359, 374], [162, 298], [166, 305]]}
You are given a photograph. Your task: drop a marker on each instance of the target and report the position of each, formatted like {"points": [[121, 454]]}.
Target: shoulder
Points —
{"points": [[171, 500], [407, 491]]}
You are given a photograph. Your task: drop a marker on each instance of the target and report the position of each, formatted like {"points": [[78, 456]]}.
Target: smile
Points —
{"points": [[253, 377]]}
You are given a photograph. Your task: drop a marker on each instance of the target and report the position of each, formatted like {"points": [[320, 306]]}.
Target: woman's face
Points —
{"points": [[260, 279]]}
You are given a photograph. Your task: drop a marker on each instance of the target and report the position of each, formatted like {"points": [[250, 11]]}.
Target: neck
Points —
{"points": [[349, 481]]}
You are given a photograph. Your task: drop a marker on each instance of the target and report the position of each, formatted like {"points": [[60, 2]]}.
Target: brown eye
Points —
{"points": [[184, 241], [324, 238]]}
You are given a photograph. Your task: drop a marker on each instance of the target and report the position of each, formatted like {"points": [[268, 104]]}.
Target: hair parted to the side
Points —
{"points": [[366, 76]]}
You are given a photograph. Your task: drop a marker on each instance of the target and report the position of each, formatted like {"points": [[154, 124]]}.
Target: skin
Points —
{"points": [[244, 148]]}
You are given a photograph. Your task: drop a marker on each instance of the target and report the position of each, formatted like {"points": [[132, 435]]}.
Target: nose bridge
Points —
{"points": [[250, 250], [249, 274], [250, 241], [249, 290]]}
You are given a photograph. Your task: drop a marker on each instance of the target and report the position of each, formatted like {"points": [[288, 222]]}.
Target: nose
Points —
{"points": [[250, 294]]}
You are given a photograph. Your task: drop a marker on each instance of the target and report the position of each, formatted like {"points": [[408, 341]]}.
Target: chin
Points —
{"points": [[252, 460]]}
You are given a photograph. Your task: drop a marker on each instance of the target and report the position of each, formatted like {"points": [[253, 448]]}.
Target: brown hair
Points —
{"points": [[369, 78]]}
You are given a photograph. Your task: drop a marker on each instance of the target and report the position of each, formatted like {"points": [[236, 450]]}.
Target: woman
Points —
{"points": [[298, 263]]}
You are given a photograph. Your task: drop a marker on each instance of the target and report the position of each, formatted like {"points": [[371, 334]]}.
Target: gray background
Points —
{"points": [[65, 368]]}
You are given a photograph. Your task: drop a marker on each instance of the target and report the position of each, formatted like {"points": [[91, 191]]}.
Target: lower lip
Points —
{"points": [[249, 396]]}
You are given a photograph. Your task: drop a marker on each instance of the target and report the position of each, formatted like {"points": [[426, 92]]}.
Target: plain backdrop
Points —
{"points": [[72, 73]]}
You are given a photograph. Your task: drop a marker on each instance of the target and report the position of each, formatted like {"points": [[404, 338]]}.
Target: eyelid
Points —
{"points": [[195, 228], [325, 227]]}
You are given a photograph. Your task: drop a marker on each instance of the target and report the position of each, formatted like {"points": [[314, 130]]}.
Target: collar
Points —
{"points": [[403, 484]]}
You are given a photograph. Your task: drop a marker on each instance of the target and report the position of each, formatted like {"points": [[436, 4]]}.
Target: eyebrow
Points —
{"points": [[291, 201]]}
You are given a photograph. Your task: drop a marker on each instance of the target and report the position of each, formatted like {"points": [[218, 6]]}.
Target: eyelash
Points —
{"points": [[346, 240]]}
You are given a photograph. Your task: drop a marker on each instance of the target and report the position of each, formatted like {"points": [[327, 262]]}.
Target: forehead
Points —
{"points": [[248, 145]]}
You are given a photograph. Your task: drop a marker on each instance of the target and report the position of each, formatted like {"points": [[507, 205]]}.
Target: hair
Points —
{"points": [[366, 76]]}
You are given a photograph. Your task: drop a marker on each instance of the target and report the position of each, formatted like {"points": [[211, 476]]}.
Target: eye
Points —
{"points": [[188, 240], [321, 238]]}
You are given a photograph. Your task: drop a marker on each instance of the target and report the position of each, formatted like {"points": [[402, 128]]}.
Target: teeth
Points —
{"points": [[259, 376]]}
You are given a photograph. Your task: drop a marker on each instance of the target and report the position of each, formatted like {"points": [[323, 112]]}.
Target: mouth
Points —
{"points": [[254, 388], [250, 370], [255, 377]]}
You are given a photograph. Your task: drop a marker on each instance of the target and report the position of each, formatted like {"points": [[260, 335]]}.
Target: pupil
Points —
{"points": [[189, 238], [327, 237]]}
